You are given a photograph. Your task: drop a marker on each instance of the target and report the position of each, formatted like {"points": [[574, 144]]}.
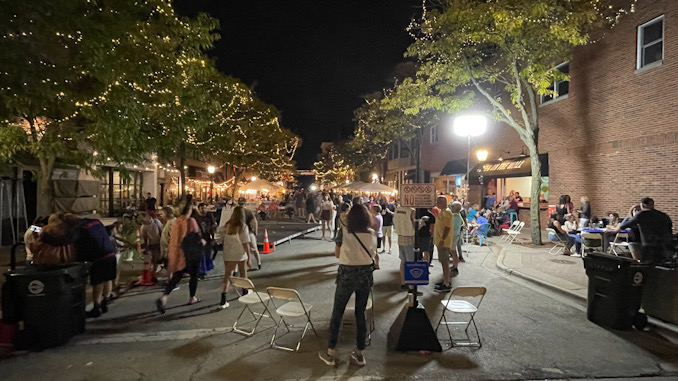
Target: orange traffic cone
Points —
{"points": [[268, 248], [146, 278]]}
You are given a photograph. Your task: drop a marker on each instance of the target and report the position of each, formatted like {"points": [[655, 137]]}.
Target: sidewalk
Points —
{"points": [[561, 273]]}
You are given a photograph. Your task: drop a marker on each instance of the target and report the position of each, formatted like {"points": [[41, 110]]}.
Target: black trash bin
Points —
{"points": [[50, 300], [615, 290]]}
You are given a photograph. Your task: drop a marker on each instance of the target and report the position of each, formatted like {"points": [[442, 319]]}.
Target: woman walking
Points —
{"points": [[356, 264], [326, 208], [235, 236], [177, 264], [310, 209], [585, 212]]}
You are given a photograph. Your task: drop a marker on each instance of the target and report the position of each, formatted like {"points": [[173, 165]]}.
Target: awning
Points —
{"points": [[454, 167], [514, 167]]}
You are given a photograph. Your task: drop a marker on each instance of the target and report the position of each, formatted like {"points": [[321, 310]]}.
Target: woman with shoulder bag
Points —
{"points": [[356, 264], [235, 236], [185, 252]]}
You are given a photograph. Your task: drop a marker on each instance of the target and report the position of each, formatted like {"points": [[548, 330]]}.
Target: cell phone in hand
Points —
{"points": [[36, 229]]}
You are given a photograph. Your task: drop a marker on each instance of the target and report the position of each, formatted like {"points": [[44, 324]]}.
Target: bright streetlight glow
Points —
{"points": [[481, 154], [211, 169], [375, 177], [470, 125], [254, 178], [314, 188]]}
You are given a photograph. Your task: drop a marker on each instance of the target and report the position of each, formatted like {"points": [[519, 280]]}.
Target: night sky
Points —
{"points": [[313, 60]]}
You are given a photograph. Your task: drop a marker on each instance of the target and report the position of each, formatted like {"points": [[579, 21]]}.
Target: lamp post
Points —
{"points": [[211, 171], [481, 155], [468, 126]]}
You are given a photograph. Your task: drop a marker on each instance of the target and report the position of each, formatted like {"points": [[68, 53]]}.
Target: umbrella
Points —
{"points": [[353, 186], [375, 188], [261, 185]]}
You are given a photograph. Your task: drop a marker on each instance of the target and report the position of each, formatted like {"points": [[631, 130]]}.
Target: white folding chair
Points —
{"points": [[559, 243], [513, 234], [253, 297], [621, 243], [294, 307], [588, 238], [369, 309], [460, 306], [513, 226]]}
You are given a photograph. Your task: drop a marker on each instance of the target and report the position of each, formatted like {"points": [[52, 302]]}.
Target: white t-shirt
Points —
{"points": [[352, 253], [326, 205], [233, 250]]}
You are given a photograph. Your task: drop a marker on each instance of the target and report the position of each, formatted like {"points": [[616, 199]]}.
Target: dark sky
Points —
{"points": [[311, 59]]}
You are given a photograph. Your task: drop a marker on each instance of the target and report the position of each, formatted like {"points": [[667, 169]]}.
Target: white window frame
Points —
{"points": [[433, 135], [555, 87], [640, 47]]}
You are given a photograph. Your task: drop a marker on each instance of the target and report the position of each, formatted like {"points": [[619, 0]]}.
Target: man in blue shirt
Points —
{"points": [[491, 200]]}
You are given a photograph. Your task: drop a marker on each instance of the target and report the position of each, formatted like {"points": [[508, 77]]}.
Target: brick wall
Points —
{"points": [[614, 138]]}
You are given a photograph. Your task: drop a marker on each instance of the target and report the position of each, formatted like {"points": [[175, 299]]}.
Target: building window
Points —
{"points": [[404, 151], [650, 42], [433, 135], [561, 88], [393, 151]]}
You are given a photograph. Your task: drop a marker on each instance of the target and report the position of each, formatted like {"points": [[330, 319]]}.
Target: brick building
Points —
{"points": [[611, 134]]}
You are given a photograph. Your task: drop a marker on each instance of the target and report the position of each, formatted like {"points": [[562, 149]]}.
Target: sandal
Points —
{"points": [[197, 300]]}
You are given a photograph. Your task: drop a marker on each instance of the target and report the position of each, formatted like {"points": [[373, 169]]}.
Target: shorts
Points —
{"points": [[406, 253], [387, 230], [325, 215], [444, 255], [102, 271], [425, 243]]}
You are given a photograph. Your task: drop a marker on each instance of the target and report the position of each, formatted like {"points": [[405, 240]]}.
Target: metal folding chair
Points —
{"points": [[513, 226], [513, 235], [620, 243], [294, 307], [560, 245], [588, 238], [369, 309], [252, 298], [459, 306]]}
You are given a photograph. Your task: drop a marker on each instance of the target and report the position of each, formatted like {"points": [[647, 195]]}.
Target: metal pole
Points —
{"points": [[468, 170]]}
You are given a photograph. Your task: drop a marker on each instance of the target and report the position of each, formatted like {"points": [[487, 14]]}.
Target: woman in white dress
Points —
{"points": [[235, 237]]}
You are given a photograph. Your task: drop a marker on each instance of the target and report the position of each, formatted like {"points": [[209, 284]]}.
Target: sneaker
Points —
{"points": [[357, 359], [439, 284], [576, 255], [444, 288], [404, 287], [223, 305], [454, 271], [104, 305], [95, 312], [327, 358]]}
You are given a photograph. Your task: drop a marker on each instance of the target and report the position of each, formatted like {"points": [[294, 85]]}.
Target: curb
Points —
{"points": [[509, 271]]}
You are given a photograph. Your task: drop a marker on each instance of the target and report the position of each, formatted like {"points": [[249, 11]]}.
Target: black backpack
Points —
{"points": [[192, 247]]}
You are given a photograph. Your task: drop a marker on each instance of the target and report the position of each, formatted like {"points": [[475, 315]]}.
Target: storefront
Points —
{"points": [[503, 176], [450, 179]]}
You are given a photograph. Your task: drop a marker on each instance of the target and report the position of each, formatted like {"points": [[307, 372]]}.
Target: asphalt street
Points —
{"points": [[529, 332]]}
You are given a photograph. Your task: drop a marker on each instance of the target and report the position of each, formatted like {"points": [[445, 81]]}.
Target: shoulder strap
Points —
{"points": [[361, 244]]}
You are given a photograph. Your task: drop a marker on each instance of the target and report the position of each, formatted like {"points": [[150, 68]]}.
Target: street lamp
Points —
{"points": [[211, 171], [467, 126], [481, 155], [375, 178]]}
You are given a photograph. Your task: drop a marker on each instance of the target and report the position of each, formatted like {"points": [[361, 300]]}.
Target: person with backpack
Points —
{"points": [[185, 253]]}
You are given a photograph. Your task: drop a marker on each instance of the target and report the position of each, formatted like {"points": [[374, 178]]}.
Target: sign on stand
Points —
{"points": [[418, 195], [416, 273]]}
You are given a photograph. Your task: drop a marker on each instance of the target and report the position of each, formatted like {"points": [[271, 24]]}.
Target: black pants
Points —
{"points": [[176, 278]]}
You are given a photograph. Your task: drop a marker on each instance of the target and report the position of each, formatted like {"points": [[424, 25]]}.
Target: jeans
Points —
{"points": [[351, 279], [176, 278]]}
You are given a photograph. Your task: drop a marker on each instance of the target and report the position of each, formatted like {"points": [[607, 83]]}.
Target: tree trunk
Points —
{"points": [[182, 170], [535, 192], [238, 173], [45, 205]]}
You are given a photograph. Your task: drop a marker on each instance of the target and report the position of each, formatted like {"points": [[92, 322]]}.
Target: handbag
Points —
{"points": [[366, 251], [192, 247]]}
